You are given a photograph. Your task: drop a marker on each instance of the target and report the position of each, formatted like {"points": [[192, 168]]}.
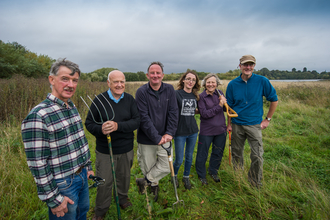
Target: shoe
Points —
{"points": [[126, 205], [186, 183], [97, 217], [215, 178], [142, 184], [154, 190], [204, 181], [176, 181]]}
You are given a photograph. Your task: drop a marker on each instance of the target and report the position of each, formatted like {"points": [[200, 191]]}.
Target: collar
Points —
{"points": [[160, 88], [240, 76], [58, 101], [113, 98]]}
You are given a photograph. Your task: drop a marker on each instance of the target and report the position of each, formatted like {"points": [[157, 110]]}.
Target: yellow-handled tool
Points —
{"points": [[228, 109]]}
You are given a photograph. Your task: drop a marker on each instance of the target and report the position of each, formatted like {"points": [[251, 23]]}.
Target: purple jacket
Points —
{"points": [[212, 117], [158, 117]]}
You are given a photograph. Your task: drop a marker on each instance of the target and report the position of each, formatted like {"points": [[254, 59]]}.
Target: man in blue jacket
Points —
{"points": [[158, 109], [245, 96]]}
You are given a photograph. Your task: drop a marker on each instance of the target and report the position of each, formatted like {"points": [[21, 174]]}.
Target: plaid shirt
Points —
{"points": [[55, 145]]}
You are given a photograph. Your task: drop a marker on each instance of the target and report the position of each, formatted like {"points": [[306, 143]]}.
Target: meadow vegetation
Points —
{"points": [[296, 182]]}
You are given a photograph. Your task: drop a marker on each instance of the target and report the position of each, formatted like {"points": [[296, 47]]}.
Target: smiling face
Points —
{"points": [[189, 82], [211, 85], [247, 70], [63, 84], [116, 83], [155, 76]]}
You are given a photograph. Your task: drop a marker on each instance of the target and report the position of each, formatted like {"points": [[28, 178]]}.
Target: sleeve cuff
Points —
{"points": [[56, 202]]}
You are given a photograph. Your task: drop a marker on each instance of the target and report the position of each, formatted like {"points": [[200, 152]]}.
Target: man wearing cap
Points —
{"points": [[245, 96]]}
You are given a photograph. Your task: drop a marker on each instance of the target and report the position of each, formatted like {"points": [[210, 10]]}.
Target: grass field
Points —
{"points": [[296, 182]]}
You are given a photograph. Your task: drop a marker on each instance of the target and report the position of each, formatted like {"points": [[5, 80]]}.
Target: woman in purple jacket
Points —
{"points": [[212, 129]]}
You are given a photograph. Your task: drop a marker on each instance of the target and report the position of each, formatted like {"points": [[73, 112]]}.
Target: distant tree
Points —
{"points": [[293, 70], [305, 69], [142, 76], [16, 59]]}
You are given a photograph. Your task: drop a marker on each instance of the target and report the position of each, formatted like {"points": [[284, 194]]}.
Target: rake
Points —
{"points": [[178, 202], [108, 138]]}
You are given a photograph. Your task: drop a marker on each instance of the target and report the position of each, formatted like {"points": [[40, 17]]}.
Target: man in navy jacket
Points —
{"points": [[245, 95], [158, 109]]}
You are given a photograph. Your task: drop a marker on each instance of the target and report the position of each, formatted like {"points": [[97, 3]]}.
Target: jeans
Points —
{"points": [[75, 187], [179, 142], [218, 146]]}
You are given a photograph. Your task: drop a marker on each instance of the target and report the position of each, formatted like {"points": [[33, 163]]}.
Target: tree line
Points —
{"points": [[17, 59]]}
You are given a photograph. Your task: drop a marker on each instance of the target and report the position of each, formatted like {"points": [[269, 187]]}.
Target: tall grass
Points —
{"points": [[296, 182]]}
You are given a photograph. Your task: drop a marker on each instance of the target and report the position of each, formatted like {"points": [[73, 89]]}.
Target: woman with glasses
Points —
{"points": [[212, 129], [187, 130]]}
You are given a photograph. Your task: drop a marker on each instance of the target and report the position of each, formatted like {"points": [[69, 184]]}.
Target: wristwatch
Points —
{"points": [[268, 119]]}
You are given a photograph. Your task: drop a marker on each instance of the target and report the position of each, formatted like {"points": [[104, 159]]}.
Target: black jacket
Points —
{"points": [[127, 117], [159, 115]]}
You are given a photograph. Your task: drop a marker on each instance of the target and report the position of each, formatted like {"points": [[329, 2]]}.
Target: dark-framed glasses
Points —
{"points": [[190, 79]]}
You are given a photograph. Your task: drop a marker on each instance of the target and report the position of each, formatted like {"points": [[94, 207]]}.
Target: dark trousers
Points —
{"points": [[218, 146], [123, 164]]}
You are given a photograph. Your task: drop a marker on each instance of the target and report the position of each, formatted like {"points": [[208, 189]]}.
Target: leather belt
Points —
{"points": [[79, 170]]}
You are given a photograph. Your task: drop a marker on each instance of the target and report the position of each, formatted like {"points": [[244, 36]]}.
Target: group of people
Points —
{"points": [[59, 158]]}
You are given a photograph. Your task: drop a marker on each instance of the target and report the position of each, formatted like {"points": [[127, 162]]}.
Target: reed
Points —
{"points": [[296, 161]]}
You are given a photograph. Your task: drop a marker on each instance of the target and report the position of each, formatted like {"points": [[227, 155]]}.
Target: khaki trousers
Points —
{"points": [[123, 164], [153, 161], [254, 136]]}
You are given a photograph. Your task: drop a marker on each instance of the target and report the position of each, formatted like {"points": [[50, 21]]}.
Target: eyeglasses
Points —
{"points": [[248, 64], [190, 79]]}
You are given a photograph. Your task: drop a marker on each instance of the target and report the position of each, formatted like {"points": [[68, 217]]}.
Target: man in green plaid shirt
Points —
{"points": [[56, 147]]}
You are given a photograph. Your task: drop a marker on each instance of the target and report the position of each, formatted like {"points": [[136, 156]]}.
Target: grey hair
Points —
{"points": [[114, 71], [157, 63], [63, 62], [209, 76]]}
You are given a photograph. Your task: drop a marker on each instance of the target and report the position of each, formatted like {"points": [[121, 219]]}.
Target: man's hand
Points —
{"points": [[108, 127], [166, 138], [90, 172], [60, 210], [264, 124], [162, 141]]}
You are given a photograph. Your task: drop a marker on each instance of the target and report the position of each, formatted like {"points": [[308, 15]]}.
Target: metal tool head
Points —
{"points": [[178, 204], [105, 110]]}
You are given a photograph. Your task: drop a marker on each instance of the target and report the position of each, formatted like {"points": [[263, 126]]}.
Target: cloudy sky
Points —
{"points": [[205, 35]]}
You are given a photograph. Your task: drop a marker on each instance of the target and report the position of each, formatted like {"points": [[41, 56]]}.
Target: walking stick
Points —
{"points": [[109, 142]]}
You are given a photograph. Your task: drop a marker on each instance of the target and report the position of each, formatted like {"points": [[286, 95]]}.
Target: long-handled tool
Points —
{"points": [[228, 109], [229, 132], [109, 141], [178, 202], [234, 115]]}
